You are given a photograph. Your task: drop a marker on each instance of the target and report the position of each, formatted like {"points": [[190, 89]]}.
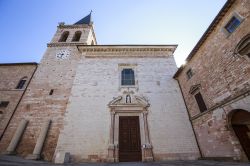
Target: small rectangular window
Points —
{"points": [[189, 73], [200, 102], [4, 103], [51, 92], [233, 23]]}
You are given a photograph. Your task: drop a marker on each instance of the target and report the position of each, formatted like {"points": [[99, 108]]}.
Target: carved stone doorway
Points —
{"points": [[120, 110]]}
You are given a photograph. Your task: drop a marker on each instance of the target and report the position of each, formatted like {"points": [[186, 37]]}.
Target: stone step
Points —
{"points": [[217, 158]]}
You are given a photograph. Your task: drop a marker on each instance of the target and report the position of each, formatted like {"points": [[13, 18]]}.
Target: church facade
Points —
{"points": [[90, 102], [86, 102]]}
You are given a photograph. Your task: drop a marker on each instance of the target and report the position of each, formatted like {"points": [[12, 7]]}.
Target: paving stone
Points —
{"points": [[18, 161]]}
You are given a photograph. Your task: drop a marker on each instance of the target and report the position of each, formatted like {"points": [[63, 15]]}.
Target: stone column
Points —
{"points": [[40, 141], [17, 137], [116, 137], [111, 148], [147, 148]]}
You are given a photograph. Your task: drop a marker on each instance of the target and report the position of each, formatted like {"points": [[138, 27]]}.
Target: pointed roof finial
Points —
{"points": [[85, 20]]}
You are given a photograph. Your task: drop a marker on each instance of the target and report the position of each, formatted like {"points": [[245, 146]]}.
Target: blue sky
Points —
{"points": [[27, 26]]}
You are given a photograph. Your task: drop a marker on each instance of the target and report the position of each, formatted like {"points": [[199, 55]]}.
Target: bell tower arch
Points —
{"points": [[81, 32]]}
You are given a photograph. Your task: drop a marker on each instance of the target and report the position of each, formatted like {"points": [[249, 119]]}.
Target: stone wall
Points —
{"points": [[11, 74], [224, 78], [215, 133]]}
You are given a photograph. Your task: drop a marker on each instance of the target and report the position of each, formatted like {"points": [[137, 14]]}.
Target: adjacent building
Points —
{"points": [[14, 80], [215, 82]]}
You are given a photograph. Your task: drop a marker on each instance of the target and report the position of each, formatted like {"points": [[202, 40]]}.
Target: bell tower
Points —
{"points": [[82, 32]]}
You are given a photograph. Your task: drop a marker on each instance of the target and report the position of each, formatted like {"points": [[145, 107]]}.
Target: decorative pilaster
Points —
{"points": [[147, 147]]}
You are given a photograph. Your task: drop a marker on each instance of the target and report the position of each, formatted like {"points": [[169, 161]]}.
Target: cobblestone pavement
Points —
{"points": [[17, 161]]}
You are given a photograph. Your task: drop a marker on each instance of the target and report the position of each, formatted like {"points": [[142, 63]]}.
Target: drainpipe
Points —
{"points": [[189, 117], [5, 128]]}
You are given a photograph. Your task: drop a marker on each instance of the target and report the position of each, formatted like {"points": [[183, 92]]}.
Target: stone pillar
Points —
{"points": [[17, 137], [111, 148], [40, 141], [147, 147], [116, 137]]}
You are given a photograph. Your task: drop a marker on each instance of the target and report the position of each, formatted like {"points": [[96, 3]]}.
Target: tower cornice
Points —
{"points": [[75, 26]]}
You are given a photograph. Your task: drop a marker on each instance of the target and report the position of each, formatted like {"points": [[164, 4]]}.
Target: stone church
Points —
{"points": [[99, 103], [86, 102]]}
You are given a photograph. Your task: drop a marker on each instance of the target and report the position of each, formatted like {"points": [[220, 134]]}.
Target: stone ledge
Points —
{"points": [[222, 103]]}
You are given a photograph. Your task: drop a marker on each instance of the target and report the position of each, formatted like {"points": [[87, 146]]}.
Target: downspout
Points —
{"points": [[5, 128], [190, 119]]}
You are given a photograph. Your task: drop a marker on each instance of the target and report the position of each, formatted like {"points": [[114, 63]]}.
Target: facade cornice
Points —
{"points": [[127, 51], [127, 48], [120, 50]]}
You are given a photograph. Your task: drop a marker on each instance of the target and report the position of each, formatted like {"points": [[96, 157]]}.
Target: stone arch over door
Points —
{"points": [[118, 107], [240, 123]]}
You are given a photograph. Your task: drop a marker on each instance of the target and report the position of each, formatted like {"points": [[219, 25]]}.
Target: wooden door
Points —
{"points": [[243, 134], [129, 139]]}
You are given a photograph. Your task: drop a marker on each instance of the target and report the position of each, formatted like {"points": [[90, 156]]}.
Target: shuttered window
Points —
{"points": [[200, 102]]}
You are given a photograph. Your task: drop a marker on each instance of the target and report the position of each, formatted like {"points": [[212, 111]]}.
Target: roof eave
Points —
{"points": [[211, 27], [19, 63]]}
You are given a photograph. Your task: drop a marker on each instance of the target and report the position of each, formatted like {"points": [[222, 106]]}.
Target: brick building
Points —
{"points": [[215, 82], [95, 102], [15, 78]]}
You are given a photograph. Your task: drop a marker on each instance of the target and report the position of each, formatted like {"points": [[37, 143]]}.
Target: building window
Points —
{"points": [[232, 24], [200, 102], [243, 47], [189, 73], [77, 36], [21, 83], [128, 77], [4, 103], [64, 36]]}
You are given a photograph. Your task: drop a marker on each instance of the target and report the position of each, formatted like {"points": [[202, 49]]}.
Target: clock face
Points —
{"points": [[63, 54]]}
